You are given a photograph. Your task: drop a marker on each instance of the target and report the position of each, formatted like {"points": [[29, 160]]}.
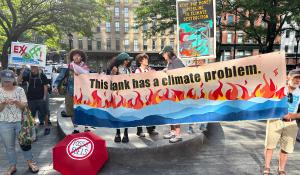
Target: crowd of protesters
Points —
{"points": [[31, 88]]}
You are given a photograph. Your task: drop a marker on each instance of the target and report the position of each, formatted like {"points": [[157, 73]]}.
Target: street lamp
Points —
{"points": [[70, 36], [297, 39]]}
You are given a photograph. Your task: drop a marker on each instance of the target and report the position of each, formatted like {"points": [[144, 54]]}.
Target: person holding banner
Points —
{"points": [[142, 62], [173, 63], [12, 103], [76, 66], [121, 65], [284, 131]]}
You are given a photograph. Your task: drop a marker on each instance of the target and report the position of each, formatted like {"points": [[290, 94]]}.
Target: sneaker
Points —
{"points": [[141, 134], [125, 139], [175, 139], [153, 133], [169, 135], [117, 138], [191, 130], [47, 131]]}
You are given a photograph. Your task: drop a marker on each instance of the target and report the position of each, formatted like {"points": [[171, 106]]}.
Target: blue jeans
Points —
{"points": [[9, 131]]}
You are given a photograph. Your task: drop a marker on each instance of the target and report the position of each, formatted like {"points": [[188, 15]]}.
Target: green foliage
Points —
{"points": [[22, 19], [161, 15]]}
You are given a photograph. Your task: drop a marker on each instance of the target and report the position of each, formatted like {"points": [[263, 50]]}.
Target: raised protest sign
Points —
{"points": [[196, 29], [28, 54], [250, 88]]}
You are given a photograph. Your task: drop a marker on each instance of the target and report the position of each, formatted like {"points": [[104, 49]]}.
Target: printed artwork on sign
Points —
{"points": [[80, 148], [28, 54], [244, 89], [196, 29]]}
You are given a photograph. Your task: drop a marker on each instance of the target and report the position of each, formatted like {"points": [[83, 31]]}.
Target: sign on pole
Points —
{"points": [[196, 29], [28, 53]]}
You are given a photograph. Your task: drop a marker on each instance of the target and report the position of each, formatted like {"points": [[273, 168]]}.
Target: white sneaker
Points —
{"points": [[170, 135], [175, 139]]}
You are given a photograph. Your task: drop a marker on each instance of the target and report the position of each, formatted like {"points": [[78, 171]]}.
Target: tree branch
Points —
{"points": [[13, 12]]}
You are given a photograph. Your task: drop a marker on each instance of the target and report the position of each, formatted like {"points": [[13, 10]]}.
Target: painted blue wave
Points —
{"points": [[225, 111]]}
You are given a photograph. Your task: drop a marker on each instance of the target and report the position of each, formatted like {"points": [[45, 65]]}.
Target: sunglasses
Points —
{"points": [[290, 97]]}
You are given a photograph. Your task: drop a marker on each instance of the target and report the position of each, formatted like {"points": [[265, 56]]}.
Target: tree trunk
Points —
{"points": [[4, 59]]}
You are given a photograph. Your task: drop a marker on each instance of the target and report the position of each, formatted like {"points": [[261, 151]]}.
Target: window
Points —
{"points": [[126, 12], [107, 26], [126, 44], [80, 45], [240, 38], [117, 1], [135, 28], [135, 45], [126, 1], [117, 26], [286, 48], [172, 43], [126, 27], [145, 46], [145, 27], [229, 38], [117, 11], [226, 55], [230, 19], [98, 44], [154, 45], [287, 33], [90, 44], [248, 53], [117, 44], [98, 28], [240, 53], [295, 49], [162, 44], [108, 44]]}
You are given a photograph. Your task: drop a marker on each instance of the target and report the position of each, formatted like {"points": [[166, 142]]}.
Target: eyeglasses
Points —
{"points": [[290, 97]]}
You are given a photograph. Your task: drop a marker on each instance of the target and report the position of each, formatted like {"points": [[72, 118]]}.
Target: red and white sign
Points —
{"points": [[80, 148]]}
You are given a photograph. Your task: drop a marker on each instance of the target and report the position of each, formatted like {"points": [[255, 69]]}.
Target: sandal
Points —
{"points": [[32, 166], [281, 172], [266, 171], [11, 170]]}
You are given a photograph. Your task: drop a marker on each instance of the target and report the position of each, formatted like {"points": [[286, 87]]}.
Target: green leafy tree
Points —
{"points": [[18, 18], [273, 13], [262, 21]]}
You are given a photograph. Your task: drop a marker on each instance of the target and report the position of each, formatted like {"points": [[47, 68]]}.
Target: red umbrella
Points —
{"points": [[82, 153]]}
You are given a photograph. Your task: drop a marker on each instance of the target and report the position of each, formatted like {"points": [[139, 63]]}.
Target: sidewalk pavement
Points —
{"points": [[234, 148]]}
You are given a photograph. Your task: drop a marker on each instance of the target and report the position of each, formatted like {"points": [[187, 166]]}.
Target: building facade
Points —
{"points": [[121, 33], [289, 45]]}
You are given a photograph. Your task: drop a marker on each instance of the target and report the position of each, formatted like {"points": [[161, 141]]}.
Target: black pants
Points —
{"points": [[38, 106]]}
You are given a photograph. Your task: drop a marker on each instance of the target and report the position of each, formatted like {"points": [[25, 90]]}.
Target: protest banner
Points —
{"points": [[27, 54], [196, 28], [249, 88]]}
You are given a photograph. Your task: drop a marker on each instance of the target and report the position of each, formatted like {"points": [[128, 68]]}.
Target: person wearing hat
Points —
{"points": [[37, 92], [12, 103], [284, 131], [121, 66], [77, 65], [173, 63]]}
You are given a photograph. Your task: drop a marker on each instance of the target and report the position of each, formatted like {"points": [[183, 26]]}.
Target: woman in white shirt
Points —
{"points": [[12, 103]]}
